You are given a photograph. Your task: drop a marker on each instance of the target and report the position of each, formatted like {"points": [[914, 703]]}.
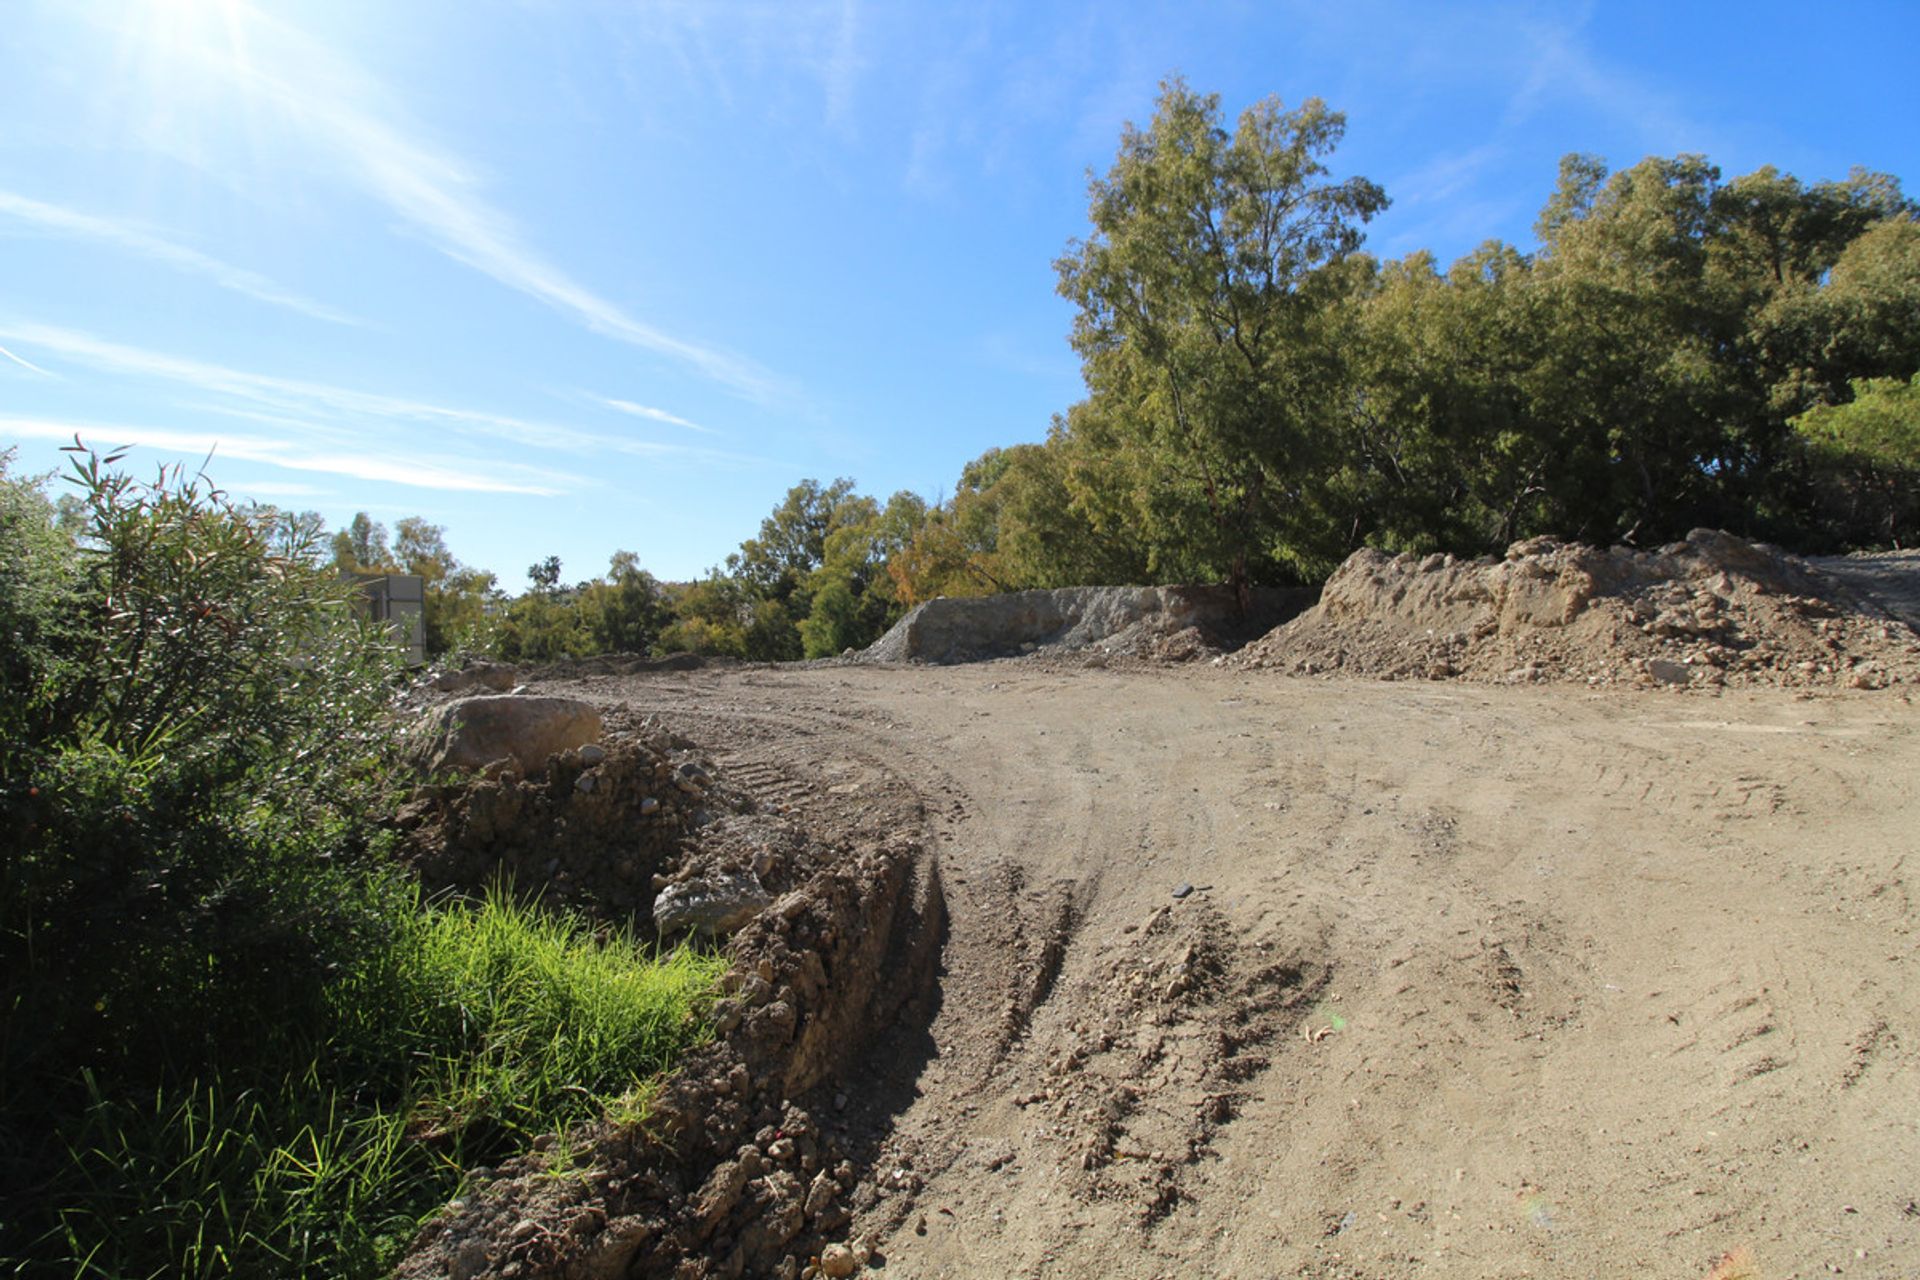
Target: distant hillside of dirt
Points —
{"points": [[1713, 610], [1168, 623]]}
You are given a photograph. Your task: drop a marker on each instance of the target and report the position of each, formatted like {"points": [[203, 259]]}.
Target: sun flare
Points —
{"points": [[187, 31]]}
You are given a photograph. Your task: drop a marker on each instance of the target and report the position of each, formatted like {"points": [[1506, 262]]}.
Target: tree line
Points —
{"points": [[814, 582], [1264, 397]]}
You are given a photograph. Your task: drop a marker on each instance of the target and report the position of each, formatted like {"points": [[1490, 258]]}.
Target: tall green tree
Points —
{"points": [[1203, 292], [459, 611], [362, 545], [1439, 449], [627, 609], [1866, 457], [793, 540], [852, 599], [1634, 378], [421, 548]]}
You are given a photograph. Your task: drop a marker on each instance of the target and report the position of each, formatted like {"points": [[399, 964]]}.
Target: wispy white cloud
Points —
{"points": [[840, 70], [435, 192], [1562, 67], [409, 470], [1452, 198], [341, 413], [1446, 175], [793, 52], [136, 239], [648, 412], [290, 394], [27, 364]]}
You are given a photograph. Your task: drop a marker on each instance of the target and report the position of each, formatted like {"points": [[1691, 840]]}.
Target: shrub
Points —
{"points": [[190, 742], [233, 1041]]}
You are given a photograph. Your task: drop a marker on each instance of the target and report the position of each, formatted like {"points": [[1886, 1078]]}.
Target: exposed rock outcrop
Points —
{"points": [[714, 905]]}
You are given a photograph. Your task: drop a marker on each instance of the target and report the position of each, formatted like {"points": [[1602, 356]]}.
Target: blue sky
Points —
{"points": [[571, 276]]}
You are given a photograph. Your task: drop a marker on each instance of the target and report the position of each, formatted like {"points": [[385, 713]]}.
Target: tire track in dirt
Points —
{"points": [[1470, 982]]}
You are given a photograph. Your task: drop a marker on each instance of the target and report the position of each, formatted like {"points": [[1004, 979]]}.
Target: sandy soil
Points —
{"points": [[1471, 981]]}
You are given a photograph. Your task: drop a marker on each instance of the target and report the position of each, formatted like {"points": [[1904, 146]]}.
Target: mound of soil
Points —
{"points": [[1713, 610], [740, 1167], [1891, 578], [1170, 624], [593, 830]]}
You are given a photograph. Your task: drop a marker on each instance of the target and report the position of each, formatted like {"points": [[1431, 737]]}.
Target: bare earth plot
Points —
{"points": [[1470, 981]]}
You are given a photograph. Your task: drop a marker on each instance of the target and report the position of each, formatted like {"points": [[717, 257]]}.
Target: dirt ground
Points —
{"points": [[1465, 981]]}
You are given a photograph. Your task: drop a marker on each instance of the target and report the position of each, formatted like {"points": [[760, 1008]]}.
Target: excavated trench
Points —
{"points": [[751, 1159]]}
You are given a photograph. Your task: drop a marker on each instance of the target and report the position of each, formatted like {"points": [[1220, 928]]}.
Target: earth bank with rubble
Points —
{"points": [[830, 914], [1714, 610], [1077, 1031], [1168, 623]]}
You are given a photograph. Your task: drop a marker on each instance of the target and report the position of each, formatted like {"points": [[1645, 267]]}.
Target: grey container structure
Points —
{"points": [[400, 601]]}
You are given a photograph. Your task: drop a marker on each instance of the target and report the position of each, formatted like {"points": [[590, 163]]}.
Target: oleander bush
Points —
{"points": [[234, 1041]]}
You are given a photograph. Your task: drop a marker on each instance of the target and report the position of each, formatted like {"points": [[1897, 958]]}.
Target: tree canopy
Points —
{"points": [[1263, 397], [1207, 291]]}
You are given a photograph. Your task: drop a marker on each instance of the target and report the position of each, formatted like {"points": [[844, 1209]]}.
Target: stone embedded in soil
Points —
{"points": [[472, 733], [1667, 671], [837, 1260], [716, 904], [469, 1260], [821, 1194]]}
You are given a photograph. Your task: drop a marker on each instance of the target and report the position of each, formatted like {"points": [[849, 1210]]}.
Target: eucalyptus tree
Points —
{"points": [[1205, 290]]}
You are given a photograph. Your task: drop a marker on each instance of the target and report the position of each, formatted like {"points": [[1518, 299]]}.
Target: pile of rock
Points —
{"points": [[1172, 624], [1713, 610]]}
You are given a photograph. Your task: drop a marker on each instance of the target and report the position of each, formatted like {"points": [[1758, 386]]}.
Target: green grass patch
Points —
{"points": [[474, 1029]]}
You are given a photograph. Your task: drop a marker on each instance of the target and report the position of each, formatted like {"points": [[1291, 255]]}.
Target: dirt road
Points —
{"points": [[1467, 981]]}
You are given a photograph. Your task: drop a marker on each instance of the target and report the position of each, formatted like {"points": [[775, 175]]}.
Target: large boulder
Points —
{"points": [[715, 904], [473, 733]]}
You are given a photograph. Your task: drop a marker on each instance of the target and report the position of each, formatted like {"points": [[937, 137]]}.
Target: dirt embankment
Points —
{"points": [[1714, 610], [1168, 623], [745, 1166], [1246, 976]]}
